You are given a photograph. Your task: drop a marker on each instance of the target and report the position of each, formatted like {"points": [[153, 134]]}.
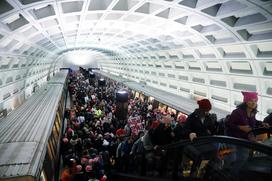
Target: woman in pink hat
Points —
{"points": [[242, 120]]}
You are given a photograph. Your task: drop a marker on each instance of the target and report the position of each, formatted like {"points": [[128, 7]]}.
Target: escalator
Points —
{"points": [[211, 158]]}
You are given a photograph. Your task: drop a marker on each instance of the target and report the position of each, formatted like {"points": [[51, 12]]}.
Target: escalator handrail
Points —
{"points": [[219, 139], [263, 130]]}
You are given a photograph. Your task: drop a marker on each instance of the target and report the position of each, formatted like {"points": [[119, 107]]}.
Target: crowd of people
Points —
{"points": [[96, 142]]}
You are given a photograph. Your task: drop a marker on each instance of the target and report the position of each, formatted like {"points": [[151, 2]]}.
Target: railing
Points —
{"points": [[175, 153], [259, 131]]}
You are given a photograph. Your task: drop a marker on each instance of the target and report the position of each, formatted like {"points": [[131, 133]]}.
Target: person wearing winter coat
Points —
{"points": [[69, 171], [163, 134], [179, 129], [122, 154], [243, 119], [199, 123]]}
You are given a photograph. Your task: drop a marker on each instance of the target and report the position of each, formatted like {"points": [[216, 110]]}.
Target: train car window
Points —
{"points": [[57, 124], [60, 111], [62, 102], [58, 120], [58, 129], [49, 151], [54, 142], [52, 149], [55, 133], [59, 108]]}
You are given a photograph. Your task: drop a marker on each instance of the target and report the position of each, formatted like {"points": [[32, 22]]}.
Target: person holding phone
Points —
{"points": [[240, 124], [243, 119]]}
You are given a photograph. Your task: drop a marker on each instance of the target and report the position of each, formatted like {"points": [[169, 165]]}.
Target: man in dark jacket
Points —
{"points": [[163, 133], [179, 129], [199, 123]]}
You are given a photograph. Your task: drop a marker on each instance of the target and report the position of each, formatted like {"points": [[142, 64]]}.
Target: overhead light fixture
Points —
{"points": [[122, 92], [79, 57]]}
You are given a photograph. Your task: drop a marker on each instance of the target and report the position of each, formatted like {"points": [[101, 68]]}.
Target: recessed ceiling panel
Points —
{"points": [[71, 7]]}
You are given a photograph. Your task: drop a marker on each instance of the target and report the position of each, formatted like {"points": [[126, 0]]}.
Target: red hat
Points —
{"points": [[204, 105], [154, 124], [120, 132], [250, 96]]}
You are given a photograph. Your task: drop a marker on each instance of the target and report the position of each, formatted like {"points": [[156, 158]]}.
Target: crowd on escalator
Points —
{"points": [[96, 142]]}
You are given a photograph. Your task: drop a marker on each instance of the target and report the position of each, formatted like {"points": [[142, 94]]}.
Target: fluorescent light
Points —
{"points": [[80, 57], [122, 92]]}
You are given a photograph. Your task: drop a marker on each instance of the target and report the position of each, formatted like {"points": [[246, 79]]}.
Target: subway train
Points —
{"points": [[30, 136]]}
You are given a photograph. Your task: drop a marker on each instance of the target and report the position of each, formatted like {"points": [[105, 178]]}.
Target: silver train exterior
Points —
{"points": [[30, 135]]}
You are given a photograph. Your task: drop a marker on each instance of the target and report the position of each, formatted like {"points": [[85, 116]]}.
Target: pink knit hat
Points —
{"points": [[88, 168], [65, 140], [250, 96], [70, 130], [78, 168]]}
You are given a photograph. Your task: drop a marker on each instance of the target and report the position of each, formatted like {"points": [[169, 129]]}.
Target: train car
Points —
{"points": [[30, 136]]}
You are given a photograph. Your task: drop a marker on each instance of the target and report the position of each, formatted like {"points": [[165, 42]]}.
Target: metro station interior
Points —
{"points": [[154, 69]]}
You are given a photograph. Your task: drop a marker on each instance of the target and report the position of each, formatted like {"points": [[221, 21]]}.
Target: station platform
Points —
{"points": [[179, 103]]}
